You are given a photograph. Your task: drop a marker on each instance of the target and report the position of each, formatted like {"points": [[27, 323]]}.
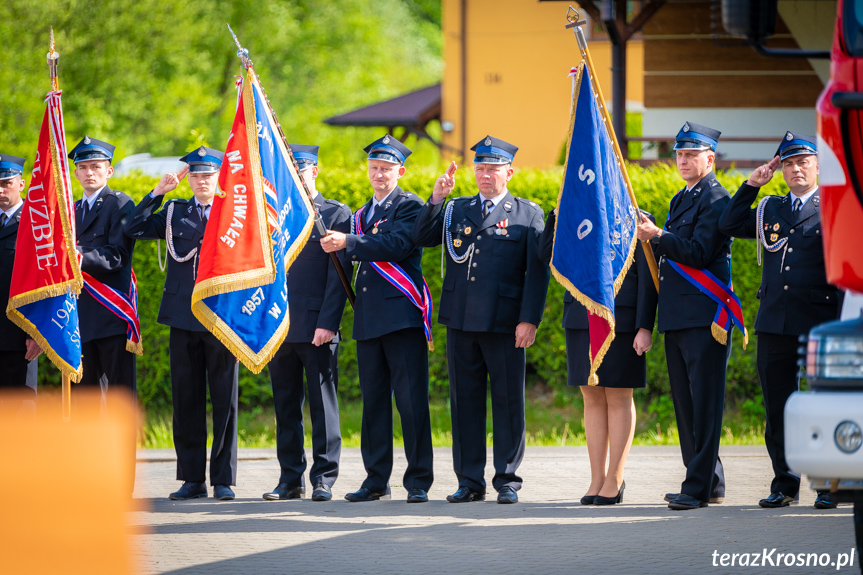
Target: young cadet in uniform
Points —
{"points": [[392, 350], [492, 302], [198, 359], [17, 350], [100, 218], [317, 301], [696, 360], [794, 292]]}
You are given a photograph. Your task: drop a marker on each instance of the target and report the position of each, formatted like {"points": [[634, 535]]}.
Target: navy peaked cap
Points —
{"points": [[90, 149], [388, 149], [696, 137], [493, 151], [11, 166], [306, 156], [203, 160], [796, 145]]}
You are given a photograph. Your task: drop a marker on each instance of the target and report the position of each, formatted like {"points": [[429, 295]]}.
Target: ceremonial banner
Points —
{"points": [[594, 237], [258, 224], [46, 277]]}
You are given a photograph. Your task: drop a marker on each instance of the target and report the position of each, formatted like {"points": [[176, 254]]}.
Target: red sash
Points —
{"points": [[123, 306]]}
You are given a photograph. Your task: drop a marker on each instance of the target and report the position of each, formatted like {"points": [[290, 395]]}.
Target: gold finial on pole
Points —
{"points": [[572, 18], [53, 56]]}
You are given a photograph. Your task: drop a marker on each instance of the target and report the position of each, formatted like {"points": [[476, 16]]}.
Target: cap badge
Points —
{"points": [[487, 141], [386, 140], [87, 140], [789, 136], [202, 152], [686, 127]]}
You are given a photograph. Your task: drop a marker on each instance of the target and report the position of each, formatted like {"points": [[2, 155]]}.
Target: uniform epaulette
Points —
{"points": [[335, 202], [528, 202]]}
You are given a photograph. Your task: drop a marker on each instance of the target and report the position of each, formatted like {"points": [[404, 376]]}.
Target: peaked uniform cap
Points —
{"points": [[11, 166], [306, 156], [203, 160], [796, 145], [388, 149], [696, 137], [91, 149], [491, 150]]}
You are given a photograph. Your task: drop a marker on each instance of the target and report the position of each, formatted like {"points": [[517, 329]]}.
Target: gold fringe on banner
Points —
{"points": [[66, 369]]}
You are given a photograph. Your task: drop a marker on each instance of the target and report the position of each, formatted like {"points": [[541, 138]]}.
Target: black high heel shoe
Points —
{"points": [[600, 500], [588, 499]]}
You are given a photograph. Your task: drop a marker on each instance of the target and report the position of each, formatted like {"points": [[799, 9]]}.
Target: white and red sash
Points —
{"points": [[399, 279], [122, 305]]}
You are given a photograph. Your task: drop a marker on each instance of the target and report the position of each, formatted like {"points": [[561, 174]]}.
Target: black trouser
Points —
{"points": [[479, 361], [696, 373], [395, 364], [322, 375], [13, 371], [198, 359], [108, 356], [777, 371]]}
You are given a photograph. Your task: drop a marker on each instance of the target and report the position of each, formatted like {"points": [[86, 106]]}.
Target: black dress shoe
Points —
{"points": [[507, 495], [223, 493], [417, 495], [669, 496], [600, 500], [322, 492], [465, 495], [824, 501], [588, 499], [285, 491], [684, 502], [365, 494], [777, 499], [189, 490]]}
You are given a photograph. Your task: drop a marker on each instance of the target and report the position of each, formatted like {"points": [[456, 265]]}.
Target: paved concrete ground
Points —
{"points": [[546, 532]]}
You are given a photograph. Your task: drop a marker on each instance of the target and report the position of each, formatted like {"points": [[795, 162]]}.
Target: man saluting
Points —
{"points": [[198, 359]]}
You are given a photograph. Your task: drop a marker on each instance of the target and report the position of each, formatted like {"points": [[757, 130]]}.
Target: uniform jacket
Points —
{"points": [[380, 308], [634, 304], [107, 256], [12, 338], [507, 282], [692, 238], [794, 292], [316, 295], [187, 232]]}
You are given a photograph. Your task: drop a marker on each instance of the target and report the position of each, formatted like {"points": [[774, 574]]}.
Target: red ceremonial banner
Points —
{"points": [[234, 249]]}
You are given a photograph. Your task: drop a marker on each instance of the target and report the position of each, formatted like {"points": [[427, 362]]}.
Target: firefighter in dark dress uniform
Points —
{"points": [[17, 349], [794, 292], [198, 359], [696, 358], [317, 301], [492, 302], [389, 326], [100, 218]]}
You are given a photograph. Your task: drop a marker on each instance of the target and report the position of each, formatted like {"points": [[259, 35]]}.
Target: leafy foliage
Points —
{"points": [[546, 360]]}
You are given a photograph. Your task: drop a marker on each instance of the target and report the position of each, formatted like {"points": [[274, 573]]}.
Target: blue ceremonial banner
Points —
{"points": [[46, 276], [257, 227], [594, 238]]}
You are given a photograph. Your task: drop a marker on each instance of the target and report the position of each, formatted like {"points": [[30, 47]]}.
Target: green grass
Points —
{"points": [[552, 419]]}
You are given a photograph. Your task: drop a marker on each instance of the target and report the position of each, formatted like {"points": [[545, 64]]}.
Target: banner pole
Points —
{"points": [[243, 54], [572, 17], [66, 385]]}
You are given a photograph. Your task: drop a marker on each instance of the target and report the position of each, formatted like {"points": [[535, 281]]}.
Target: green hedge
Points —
{"points": [[546, 360]]}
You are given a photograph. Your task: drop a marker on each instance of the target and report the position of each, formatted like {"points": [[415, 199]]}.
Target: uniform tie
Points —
{"points": [[3, 219], [204, 209], [486, 208], [795, 209]]}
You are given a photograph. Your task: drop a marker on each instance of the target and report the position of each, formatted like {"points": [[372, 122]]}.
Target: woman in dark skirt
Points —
{"points": [[609, 410]]}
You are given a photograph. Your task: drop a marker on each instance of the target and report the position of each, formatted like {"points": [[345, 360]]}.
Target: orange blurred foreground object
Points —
{"points": [[66, 487]]}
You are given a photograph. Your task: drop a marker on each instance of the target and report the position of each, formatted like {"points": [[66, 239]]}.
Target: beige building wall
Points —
{"points": [[513, 84]]}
